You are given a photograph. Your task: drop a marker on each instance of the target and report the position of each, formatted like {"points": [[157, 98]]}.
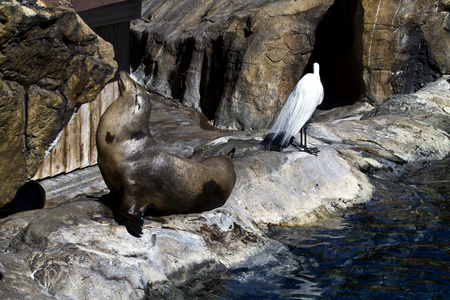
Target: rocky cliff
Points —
{"points": [[238, 61], [235, 61], [51, 62], [405, 44]]}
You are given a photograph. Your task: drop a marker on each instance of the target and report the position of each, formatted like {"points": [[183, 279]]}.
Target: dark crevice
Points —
{"points": [[177, 78], [212, 78], [338, 50], [248, 28], [46, 24], [138, 50]]}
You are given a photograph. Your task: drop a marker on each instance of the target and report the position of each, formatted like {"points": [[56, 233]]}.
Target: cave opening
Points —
{"points": [[338, 50], [212, 77]]}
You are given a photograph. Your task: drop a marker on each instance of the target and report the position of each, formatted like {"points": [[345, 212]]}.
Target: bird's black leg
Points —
{"points": [[302, 145], [312, 150], [303, 137]]}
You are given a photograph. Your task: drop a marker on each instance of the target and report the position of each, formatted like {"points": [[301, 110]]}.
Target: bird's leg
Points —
{"points": [[302, 145], [303, 137], [312, 150]]}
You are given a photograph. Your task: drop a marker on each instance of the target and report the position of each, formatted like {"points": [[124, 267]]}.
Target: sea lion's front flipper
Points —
{"points": [[130, 214], [132, 223]]}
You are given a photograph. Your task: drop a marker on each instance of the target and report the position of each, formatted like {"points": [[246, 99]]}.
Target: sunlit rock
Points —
{"points": [[237, 62], [234, 61], [51, 62]]}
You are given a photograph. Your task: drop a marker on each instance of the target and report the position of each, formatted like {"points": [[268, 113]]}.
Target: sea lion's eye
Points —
{"points": [[136, 96]]}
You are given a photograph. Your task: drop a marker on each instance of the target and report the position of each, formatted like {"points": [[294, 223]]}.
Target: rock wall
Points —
{"points": [[406, 44], [50, 63], [235, 61], [238, 61]]}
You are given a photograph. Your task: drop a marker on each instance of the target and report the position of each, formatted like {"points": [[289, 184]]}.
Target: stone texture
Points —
{"points": [[405, 45], [235, 61], [401, 136], [238, 61], [74, 249], [51, 62], [295, 189], [430, 105], [77, 251]]}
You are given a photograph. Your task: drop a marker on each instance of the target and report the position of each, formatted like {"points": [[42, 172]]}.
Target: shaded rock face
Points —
{"points": [[373, 49], [51, 63], [238, 62], [234, 61], [405, 44]]}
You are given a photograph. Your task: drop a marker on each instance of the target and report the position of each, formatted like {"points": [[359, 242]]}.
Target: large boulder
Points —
{"points": [[430, 105], [51, 62], [77, 251], [238, 61]]}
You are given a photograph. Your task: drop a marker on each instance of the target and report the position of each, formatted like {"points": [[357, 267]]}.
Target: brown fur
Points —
{"points": [[145, 179]]}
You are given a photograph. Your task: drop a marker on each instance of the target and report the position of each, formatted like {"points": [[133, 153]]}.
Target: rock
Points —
{"points": [[407, 143], [238, 62], [75, 249], [295, 189], [51, 62], [372, 49], [234, 61], [429, 105], [290, 188], [402, 135], [405, 45]]}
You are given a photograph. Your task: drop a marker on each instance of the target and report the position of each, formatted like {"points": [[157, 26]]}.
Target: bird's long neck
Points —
{"points": [[316, 69]]}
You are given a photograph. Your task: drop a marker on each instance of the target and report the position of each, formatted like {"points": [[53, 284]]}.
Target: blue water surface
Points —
{"points": [[396, 246]]}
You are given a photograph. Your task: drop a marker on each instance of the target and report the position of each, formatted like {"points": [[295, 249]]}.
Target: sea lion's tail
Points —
{"points": [[230, 154]]}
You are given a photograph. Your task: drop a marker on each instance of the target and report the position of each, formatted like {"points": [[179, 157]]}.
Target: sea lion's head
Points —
{"points": [[134, 97], [126, 119]]}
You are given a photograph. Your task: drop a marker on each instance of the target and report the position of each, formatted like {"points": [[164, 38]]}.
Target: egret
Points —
{"points": [[307, 95]]}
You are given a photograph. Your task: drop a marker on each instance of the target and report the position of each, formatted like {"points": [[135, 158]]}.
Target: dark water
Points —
{"points": [[397, 246]]}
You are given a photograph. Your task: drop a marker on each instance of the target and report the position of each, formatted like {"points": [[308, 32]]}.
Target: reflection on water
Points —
{"points": [[396, 246]]}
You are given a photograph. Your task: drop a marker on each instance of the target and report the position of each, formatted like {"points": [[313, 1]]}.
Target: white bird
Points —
{"points": [[307, 95]]}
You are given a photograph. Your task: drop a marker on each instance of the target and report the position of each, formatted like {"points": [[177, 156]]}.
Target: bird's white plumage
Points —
{"points": [[307, 95]]}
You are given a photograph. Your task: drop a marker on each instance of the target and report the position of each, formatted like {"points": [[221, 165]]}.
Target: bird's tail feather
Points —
{"points": [[275, 141]]}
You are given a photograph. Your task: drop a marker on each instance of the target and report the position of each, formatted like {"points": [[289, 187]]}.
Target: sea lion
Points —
{"points": [[29, 196], [143, 178]]}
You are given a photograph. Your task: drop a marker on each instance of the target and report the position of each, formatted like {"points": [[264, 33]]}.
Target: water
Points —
{"points": [[397, 246]]}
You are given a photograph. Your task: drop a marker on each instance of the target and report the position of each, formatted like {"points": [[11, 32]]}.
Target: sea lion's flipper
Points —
{"points": [[130, 212], [132, 223]]}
